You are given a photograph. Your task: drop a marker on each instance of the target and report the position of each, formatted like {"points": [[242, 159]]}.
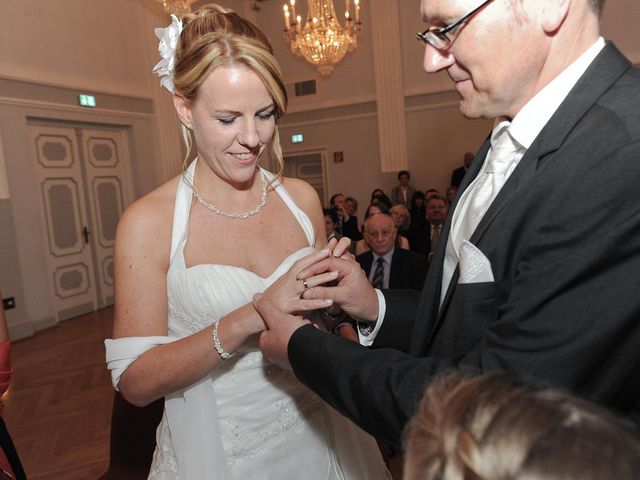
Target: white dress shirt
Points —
{"points": [[524, 128]]}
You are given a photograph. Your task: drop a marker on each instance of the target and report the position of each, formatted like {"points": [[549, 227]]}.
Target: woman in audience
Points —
{"points": [[401, 219], [185, 328], [491, 426], [380, 196]]}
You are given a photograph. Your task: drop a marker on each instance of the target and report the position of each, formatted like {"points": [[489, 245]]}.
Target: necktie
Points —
{"points": [[502, 154], [378, 275], [435, 237]]}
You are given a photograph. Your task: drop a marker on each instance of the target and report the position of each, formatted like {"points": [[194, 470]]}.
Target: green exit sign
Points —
{"points": [[86, 100], [298, 138]]}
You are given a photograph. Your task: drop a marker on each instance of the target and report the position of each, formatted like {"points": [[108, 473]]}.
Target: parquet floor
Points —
{"points": [[58, 408]]}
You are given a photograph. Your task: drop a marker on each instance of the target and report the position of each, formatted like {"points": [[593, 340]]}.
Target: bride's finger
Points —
{"points": [[317, 268], [309, 260], [341, 265], [319, 279], [342, 247], [312, 304]]}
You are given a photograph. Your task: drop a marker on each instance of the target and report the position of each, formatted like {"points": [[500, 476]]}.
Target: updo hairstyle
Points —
{"points": [[215, 36]]}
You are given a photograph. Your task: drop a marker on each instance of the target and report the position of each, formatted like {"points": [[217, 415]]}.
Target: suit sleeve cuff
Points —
{"points": [[368, 338]]}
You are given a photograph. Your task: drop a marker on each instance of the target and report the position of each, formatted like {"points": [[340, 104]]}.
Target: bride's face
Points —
{"points": [[233, 121]]}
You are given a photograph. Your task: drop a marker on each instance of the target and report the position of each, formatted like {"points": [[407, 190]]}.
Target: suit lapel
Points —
{"points": [[397, 268], [607, 67], [367, 259], [429, 307]]}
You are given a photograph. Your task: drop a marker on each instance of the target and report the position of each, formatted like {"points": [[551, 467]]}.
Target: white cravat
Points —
{"points": [[501, 161], [503, 154]]}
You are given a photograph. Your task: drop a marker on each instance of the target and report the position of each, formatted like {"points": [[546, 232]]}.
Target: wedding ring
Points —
{"points": [[305, 284]]}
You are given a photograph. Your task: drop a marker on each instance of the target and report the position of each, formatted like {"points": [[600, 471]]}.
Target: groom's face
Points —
{"points": [[494, 57]]}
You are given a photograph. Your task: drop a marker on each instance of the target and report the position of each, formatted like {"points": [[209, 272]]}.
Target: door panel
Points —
{"points": [[63, 214], [106, 160]]}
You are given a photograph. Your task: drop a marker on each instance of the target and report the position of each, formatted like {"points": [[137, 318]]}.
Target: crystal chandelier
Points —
{"points": [[176, 7], [322, 41]]}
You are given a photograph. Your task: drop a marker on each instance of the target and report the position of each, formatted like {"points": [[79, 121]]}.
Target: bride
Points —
{"points": [[189, 258]]}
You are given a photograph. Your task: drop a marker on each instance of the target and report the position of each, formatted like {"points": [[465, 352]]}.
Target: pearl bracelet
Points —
{"points": [[216, 343]]}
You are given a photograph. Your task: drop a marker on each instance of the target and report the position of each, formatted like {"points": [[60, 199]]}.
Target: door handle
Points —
{"points": [[85, 234]]}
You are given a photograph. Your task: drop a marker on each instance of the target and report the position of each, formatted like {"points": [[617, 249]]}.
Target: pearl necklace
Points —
{"points": [[241, 215]]}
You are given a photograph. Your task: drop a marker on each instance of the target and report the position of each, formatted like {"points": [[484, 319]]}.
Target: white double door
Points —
{"points": [[84, 185]]}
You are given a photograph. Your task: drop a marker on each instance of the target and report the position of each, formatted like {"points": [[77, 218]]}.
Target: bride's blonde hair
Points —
{"points": [[214, 36]]}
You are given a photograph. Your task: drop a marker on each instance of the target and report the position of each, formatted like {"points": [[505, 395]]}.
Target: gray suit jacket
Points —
{"points": [[563, 239]]}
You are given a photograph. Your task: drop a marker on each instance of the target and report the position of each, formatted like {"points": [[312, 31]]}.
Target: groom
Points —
{"points": [[538, 264]]}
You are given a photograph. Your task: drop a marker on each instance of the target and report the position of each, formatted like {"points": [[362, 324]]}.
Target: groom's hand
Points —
{"points": [[274, 341], [352, 292]]}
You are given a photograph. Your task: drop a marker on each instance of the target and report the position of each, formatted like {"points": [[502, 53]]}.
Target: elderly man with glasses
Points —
{"points": [[538, 261]]}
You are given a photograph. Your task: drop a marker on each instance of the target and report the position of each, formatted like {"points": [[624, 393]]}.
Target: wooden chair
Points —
{"points": [[133, 439]]}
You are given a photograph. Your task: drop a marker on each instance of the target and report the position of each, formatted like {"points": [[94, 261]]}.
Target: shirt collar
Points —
{"points": [[532, 118], [387, 256]]}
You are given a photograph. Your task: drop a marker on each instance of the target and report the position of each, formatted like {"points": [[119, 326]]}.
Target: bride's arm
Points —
{"points": [[143, 242]]}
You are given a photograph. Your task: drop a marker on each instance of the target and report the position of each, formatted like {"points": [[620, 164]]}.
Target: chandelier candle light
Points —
{"points": [[176, 7], [322, 41]]}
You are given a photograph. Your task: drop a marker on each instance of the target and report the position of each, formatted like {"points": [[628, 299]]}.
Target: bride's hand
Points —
{"points": [[340, 248], [286, 292]]}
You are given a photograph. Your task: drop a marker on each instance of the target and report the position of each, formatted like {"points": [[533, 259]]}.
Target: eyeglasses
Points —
{"points": [[440, 37]]}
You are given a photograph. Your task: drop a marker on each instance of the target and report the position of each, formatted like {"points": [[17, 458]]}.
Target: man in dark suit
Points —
{"points": [[458, 174], [398, 268], [538, 265], [436, 213]]}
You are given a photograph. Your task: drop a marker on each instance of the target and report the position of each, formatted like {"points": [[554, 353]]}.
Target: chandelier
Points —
{"points": [[176, 7], [322, 41]]}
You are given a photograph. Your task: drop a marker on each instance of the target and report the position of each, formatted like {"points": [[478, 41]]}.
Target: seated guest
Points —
{"points": [[388, 266], [458, 174], [351, 206], [401, 194], [491, 426], [375, 208], [418, 229], [436, 213], [330, 221], [347, 225], [380, 196], [402, 220], [451, 194], [432, 192]]}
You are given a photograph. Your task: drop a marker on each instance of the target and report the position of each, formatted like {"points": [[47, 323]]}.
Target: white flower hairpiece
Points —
{"points": [[167, 48]]}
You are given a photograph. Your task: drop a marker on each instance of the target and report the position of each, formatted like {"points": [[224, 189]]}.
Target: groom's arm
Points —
{"points": [[379, 390], [400, 312]]}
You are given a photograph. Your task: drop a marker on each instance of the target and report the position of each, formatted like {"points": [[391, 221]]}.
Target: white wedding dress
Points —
{"points": [[249, 419]]}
